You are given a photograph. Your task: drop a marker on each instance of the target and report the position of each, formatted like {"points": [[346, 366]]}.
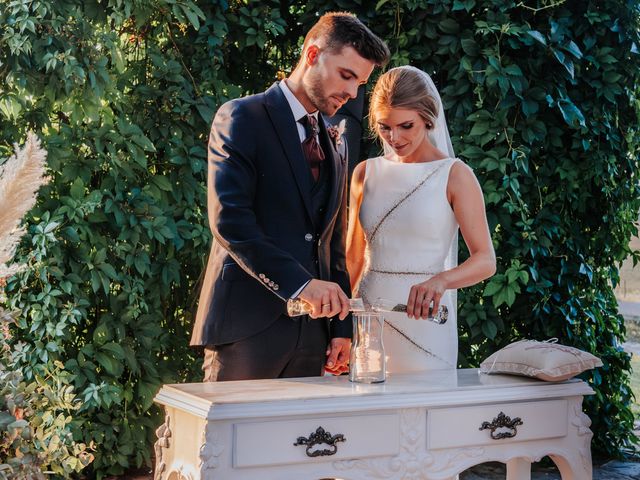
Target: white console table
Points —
{"points": [[426, 425]]}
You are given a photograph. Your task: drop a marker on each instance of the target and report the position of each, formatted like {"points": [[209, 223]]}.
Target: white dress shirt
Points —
{"points": [[299, 112], [297, 109]]}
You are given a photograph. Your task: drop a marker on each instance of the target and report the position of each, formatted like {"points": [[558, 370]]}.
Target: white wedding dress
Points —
{"points": [[411, 235]]}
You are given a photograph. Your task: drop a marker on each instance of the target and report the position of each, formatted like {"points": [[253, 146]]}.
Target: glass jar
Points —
{"points": [[367, 362]]}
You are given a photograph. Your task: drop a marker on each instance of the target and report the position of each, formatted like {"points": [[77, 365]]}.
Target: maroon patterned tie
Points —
{"points": [[310, 146]]}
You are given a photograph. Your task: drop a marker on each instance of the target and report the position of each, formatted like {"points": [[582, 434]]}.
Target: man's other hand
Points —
{"points": [[338, 356]]}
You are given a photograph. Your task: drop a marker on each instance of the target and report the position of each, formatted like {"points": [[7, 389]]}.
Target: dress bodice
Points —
{"points": [[408, 221], [411, 235]]}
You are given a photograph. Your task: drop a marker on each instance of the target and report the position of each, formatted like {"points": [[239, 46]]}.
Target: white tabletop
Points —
{"points": [[249, 398]]}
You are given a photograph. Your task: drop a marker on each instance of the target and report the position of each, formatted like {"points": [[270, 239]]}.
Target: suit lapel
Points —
{"points": [[287, 131], [337, 171]]}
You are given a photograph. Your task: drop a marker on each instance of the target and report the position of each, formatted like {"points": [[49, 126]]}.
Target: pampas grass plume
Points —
{"points": [[20, 179]]}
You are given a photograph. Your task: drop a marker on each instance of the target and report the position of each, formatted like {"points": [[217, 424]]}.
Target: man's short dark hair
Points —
{"points": [[339, 29]]}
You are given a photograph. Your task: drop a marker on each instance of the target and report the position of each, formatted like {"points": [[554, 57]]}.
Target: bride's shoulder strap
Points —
{"points": [[359, 173], [369, 166], [457, 161], [462, 174]]}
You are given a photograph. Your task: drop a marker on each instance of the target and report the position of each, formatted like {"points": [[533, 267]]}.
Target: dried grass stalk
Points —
{"points": [[20, 179]]}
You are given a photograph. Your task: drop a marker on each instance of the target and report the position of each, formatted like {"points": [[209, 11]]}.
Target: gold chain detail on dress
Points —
{"points": [[388, 272], [402, 200]]}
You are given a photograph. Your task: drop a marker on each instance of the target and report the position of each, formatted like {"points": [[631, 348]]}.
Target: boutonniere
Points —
{"points": [[336, 132]]}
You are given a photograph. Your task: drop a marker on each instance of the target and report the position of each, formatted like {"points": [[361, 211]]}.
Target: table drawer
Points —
{"points": [[272, 442], [460, 427]]}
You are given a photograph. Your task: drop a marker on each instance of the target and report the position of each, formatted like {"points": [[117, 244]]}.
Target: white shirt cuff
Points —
{"points": [[297, 292]]}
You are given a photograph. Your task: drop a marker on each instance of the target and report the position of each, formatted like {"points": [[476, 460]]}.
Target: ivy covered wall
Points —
{"points": [[541, 99]]}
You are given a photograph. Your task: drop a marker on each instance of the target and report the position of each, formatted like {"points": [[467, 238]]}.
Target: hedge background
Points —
{"points": [[541, 99]]}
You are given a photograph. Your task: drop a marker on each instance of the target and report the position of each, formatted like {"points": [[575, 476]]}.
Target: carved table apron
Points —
{"points": [[422, 425]]}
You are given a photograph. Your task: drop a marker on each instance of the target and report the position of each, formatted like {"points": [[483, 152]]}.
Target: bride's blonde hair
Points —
{"points": [[403, 87]]}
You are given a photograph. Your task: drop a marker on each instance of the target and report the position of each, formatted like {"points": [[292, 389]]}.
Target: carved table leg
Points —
{"points": [[163, 433], [575, 463], [518, 469], [573, 469]]}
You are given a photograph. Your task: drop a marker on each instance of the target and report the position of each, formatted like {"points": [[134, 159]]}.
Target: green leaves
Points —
{"points": [[538, 37], [124, 96], [463, 4], [571, 113], [449, 25], [565, 61], [542, 105], [503, 287], [77, 190], [28, 442]]}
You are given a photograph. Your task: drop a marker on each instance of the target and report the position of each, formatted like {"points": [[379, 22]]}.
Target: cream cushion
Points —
{"points": [[544, 360]]}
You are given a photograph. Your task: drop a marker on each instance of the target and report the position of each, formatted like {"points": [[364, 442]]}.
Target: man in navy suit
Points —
{"points": [[277, 190]]}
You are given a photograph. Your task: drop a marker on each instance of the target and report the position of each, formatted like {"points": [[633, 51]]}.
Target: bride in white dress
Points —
{"points": [[405, 211]]}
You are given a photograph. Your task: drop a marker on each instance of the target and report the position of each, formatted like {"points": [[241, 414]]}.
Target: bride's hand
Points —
{"points": [[422, 294]]}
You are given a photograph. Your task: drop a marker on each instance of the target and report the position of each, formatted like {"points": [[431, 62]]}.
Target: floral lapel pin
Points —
{"points": [[336, 132]]}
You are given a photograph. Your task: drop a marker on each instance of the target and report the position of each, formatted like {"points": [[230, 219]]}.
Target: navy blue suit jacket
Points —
{"points": [[266, 243]]}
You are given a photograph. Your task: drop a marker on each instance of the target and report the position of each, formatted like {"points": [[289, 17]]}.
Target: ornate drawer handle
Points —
{"points": [[318, 437], [502, 421]]}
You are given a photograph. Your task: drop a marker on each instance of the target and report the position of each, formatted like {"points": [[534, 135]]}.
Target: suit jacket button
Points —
{"points": [[308, 237]]}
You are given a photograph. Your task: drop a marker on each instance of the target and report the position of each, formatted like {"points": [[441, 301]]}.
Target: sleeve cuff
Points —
{"points": [[297, 292]]}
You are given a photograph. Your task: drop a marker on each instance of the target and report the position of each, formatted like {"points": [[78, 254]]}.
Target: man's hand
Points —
{"points": [[326, 299], [338, 356]]}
